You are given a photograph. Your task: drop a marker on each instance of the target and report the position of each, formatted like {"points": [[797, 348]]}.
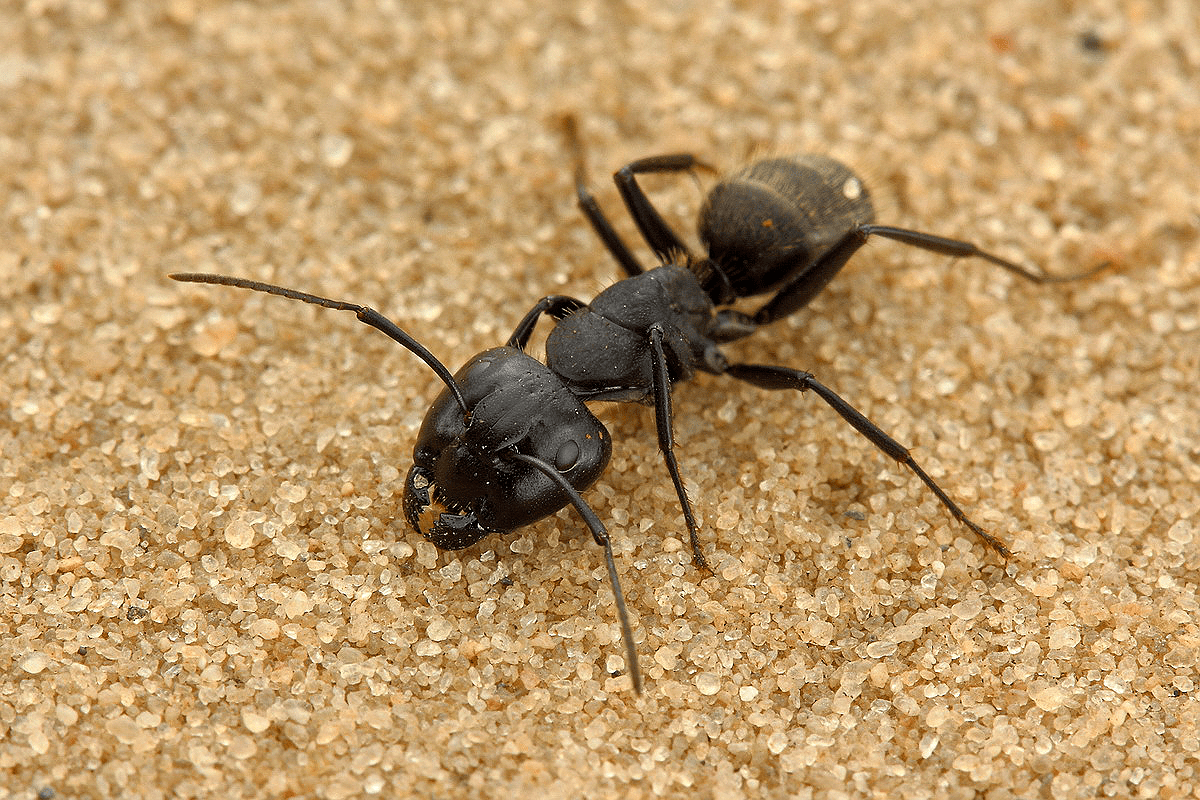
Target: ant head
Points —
{"points": [[506, 443], [465, 482]]}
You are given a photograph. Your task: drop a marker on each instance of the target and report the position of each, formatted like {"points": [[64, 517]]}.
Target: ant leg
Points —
{"points": [[591, 209], [772, 377], [608, 235], [798, 292], [666, 437], [556, 306], [665, 243], [802, 288], [961, 249]]}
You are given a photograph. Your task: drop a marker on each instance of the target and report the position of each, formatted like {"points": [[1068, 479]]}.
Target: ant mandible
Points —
{"points": [[510, 441]]}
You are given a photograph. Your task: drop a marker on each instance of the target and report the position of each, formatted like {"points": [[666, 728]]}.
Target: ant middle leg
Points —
{"points": [[608, 234], [773, 377], [591, 209], [662, 239], [666, 437]]}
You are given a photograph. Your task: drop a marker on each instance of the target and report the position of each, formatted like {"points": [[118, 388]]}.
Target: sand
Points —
{"points": [[207, 588]]}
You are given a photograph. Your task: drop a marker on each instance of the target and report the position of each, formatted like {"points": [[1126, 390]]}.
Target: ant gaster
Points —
{"points": [[510, 441]]}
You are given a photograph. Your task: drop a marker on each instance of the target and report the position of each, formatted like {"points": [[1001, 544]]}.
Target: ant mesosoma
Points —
{"points": [[510, 440]]}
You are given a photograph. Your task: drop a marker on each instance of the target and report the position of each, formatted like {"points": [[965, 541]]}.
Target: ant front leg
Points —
{"points": [[771, 377], [556, 306], [666, 437], [662, 239]]}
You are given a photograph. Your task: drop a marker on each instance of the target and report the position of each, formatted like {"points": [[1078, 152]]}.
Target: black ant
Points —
{"points": [[510, 440]]}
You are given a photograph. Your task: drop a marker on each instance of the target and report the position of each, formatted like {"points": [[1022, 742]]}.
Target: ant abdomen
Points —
{"points": [[768, 222]]}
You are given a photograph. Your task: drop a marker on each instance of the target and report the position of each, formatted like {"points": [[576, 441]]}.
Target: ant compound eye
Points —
{"points": [[567, 456]]}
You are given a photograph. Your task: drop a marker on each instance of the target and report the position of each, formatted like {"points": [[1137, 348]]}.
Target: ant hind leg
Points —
{"points": [[957, 248], [772, 377]]}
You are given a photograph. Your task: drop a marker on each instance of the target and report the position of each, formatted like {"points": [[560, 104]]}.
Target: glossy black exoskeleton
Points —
{"points": [[510, 440], [783, 225], [505, 444], [462, 487]]}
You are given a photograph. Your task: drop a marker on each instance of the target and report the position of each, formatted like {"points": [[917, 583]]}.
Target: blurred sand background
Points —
{"points": [[206, 585]]}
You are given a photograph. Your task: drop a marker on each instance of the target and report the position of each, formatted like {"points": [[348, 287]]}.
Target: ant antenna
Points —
{"points": [[368, 315], [600, 534]]}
